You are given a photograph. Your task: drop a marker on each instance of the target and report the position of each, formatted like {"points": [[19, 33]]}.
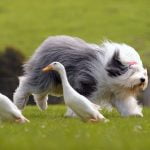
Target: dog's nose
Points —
{"points": [[142, 80]]}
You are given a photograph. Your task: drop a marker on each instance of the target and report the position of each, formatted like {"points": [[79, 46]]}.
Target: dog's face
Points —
{"points": [[126, 72], [138, 77]]}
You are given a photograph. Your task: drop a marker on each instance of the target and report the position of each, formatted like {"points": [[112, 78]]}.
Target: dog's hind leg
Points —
{"points": [[128, 107], [41, 101], [21, 95], [70, 113]]}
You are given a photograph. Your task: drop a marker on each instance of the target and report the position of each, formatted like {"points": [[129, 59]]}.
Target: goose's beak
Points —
{"points": [[47, 68]]}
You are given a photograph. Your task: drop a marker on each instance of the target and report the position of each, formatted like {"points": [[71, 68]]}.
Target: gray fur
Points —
{"points": [[115, 67], [77, 56]]}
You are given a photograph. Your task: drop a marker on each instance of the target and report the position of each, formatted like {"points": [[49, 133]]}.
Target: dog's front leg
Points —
{"points": [[128, 107], [21, 96]]}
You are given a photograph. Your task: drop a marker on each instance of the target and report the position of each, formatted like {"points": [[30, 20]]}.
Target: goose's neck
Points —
{"points": [[64, 79]]}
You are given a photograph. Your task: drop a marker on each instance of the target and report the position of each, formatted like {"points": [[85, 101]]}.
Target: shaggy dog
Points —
{"points": [[108, 73]]}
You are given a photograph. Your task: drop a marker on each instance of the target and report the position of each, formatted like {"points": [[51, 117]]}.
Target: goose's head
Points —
{"points": [[54, 66]]}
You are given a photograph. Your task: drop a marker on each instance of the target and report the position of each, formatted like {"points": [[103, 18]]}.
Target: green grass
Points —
{"points": [[49, 130], [26, 23]]}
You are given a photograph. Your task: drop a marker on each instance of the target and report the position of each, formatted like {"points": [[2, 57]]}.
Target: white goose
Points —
{"points": [[85, 109], [9, 111]]}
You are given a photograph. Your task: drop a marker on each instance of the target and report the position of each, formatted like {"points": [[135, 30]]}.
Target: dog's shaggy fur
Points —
{"points": [[109, 72]]}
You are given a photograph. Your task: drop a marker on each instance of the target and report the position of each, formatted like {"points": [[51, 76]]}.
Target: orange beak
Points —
{"points": [[47, 68]]}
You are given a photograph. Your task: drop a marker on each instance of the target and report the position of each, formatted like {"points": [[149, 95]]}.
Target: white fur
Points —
{"points": [[121, 91], [9, 112]]}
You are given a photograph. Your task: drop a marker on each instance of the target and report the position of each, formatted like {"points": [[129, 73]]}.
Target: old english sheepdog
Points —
{"points": [[107, 73]]}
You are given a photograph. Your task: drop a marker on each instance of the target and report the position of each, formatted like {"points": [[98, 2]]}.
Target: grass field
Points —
{"points": [[49, 130], [26, 23]]}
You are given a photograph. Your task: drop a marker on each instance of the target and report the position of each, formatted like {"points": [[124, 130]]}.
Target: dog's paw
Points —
{"points": [[70, 115], [133, 115], [137, 115], [106, 120]]}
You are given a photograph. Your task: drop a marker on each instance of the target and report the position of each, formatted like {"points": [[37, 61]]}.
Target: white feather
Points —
{"points": [[9, 111], [84, 108]]}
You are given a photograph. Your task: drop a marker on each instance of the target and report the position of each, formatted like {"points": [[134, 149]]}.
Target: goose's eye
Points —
{"points": [[55, 63]]}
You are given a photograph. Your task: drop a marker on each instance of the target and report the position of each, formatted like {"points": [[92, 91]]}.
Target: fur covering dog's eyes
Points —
{"points": [[115, 67]]}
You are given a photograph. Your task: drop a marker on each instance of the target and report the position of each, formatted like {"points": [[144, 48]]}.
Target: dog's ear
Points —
{"points": [[115, 67]]}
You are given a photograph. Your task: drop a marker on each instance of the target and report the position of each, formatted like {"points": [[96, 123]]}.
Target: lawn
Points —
{"points": [[49, 130], [26, 23]]}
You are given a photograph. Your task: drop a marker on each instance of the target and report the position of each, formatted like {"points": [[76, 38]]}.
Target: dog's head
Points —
{"points": [[125, 69]]}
